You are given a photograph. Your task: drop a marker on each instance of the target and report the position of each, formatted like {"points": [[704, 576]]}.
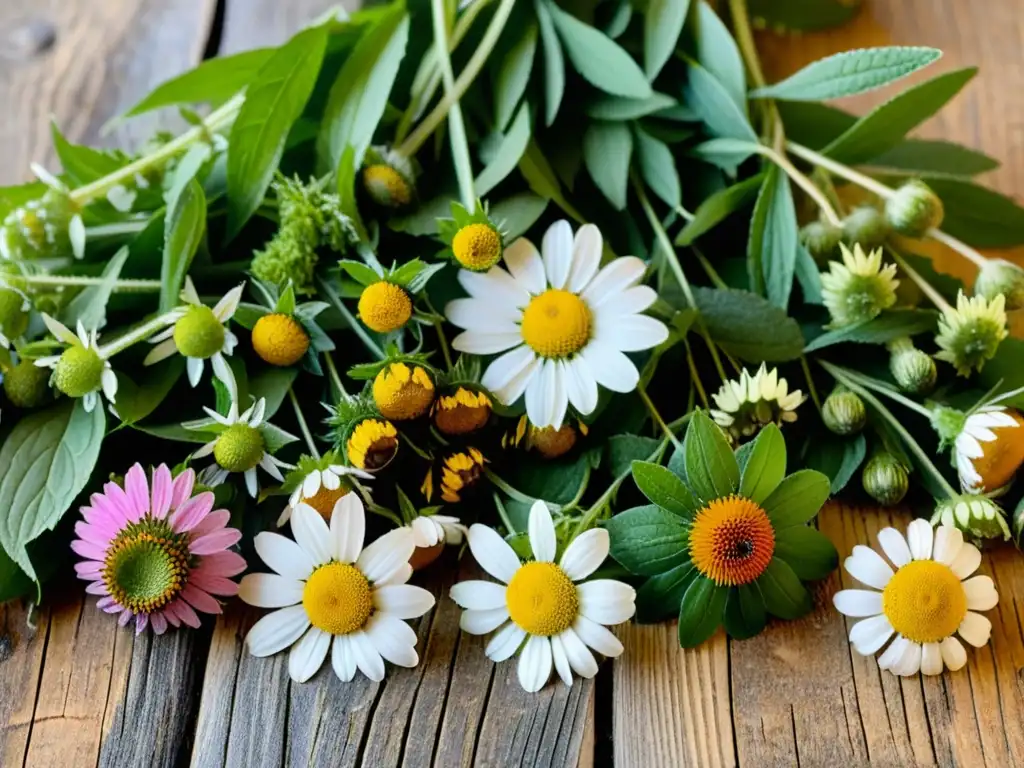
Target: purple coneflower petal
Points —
{"points": [[115, 503], [137, 489], [141, 619], [162, 491], [182, 490], [212, 522], [215, 542], [191, 513], [185, 613], [199, 599], [92, 533], [222, 564], [125, 617], [88, 550], [88, 569], [215, 585], [158, 622], [97, 588]]}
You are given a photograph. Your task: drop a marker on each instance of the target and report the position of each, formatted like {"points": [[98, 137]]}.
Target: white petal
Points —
{"points": [[393, 639], [524, 262], [601, 639], [632, 301], [858, 602], [894, 546], [403, 601], [630, 333], [277, 630], [310, 484], [478, 595], [311, 533], [931, 659], [367, 657], [307, 655], [109, 383], [222, 371], [920, 537], [495, 286], [89, 401], [581, 659], [981, 593], [556, 248], [283, 555], [541, 396], [561, 661], [870, 634], [189, 294], [585, 554], [975, 629], [909, 662], [225, 308], [580, 385], [251, 482], [967, 561], [542, 533], [59, 330], [342, 658], [400, 575], [479, 343], [479, 315], [493, 553], [868, 567], [268, 590], [555, 374], [535, 664], [348, 528], [948, 541], [270, 464], [425, 532], [613, 279], [606, 601], [482, 622], [612, 369], [587, 246], [953, 654], [508, 375], [386, 555], [505, 642], [893, 653], [194, 366]]}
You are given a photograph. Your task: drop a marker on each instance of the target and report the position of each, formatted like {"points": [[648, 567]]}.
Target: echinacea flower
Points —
{"points": [[746, 404], [319, 483], [154, 552], [858, 288], [551, 606], [561, 322], [332, 594], [82, 370], [199, 334], [924, 602], [970, 334], [732, 543]]}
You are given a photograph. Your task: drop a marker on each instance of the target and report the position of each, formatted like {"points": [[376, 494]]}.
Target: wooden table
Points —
{"points": [[78, 691]]}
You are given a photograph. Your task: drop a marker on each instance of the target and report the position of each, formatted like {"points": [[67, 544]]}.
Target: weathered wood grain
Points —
{"points": [[257, 23]]}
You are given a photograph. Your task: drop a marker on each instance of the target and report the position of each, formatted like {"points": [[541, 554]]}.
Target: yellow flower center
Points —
{"points": [[1002, 457], [464, 412], [372, 444], [323, 500], [477, 247], [924, 601], [460, 471], [541, 599], [556, 323], [386, 186], [403, 393], [732, 541], [279, 339], [337, 598], [384, 307]]}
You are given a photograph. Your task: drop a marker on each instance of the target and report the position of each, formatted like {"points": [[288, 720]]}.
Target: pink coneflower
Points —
{"points": [[157, 555]]}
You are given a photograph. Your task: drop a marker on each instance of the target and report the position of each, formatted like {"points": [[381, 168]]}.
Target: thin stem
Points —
{"points": [[801, 180], [514, 493], [422, 453], [810, 383], [652, 408], [890, 393], [816, 158], [303, 426], [354, 324], [745, 41], [119, 228], [81, 281], [439, 329], [575, 501], [218, 118], [960, 247], [709, 270], [924, 285], [456, 125], [423, 131], [332, 372], [144, 331], [695, 375], [503, 514]]}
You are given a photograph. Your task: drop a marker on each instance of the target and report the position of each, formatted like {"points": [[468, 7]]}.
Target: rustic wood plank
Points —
{"points": [[21, 657], [257, 23]]}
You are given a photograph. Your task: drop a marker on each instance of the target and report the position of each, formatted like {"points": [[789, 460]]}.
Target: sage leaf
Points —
{"points": [[518, 213], [774, 239], [716, 208], [718, 53], [506, 158], [804, 15], [660, 596], [663, 23], [715, 105], [658, 168], [139, 396], [922, 156], [273, 102], [726, 154], [184, 227], [622, 450], [513, 76], [891, 324], [838, 459], [607, 149], [621, 108], [849, 73], [748, 326], [554, 62], [45, 463]]}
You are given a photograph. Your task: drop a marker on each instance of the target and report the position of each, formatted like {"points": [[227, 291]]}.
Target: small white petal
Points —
{"points": [[478, 595], [606, 601], [909, 662], [542, 533], [283, 555], [307, 655], [858, 602], [894, 546], [893, 653], [981, 593], [975, 629], [277, 630], [953, 654], [612, 369], [580, 658], [368, 659], [388, 554], [342, 658], [403, 601], [931, 659], [967, 561], [919, 537], [506, 642], [194, 367], [587, 246], [493, 553], [868, 567], [348, 528], [870, 634], [525, 263], [600, 638], [311, 533], [556, 249], [561, 661], [535, 664], [585, 554], [268, 590], [225, 308], [482, 622], [948, 541], [393, 639]]}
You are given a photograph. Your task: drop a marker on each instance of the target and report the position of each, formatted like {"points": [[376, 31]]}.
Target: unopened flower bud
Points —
{"points": [[999, 276], [27, 385], [977, 516], [914, 209], [821, 239], [13, 313], [913, 370], [48, 227], [843, 412], [866, 226], [885, 479]]}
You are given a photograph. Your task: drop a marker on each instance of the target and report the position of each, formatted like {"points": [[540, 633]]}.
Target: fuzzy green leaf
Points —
{"points": [[804, 15], [701, 611], [663, 23], [891, 324], [622, 450], [272, 384], [748, 326], [784, 595], [716, 208], [806, 550], [981, 217], [774, 239], [513, 75], [554, 62], [663, 488], [184, 229], [726, 154], [620, 108], [797, 499], [711, 468], [139, 396], [718, 53], [658, 168], [82, 164], [518, 213], [766, 465], [922, 156], [90, 306], [607, 149], [647, 540], [715, 106], [837, 458]]}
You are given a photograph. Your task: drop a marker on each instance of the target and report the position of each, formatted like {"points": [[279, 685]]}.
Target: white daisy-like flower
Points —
{"points": [[924, 602], [334, 594], [549, 606], [562, 323], [242, 443], [321, 488], [989, 449], [83, 369], [431, 530], [200, 333], [748, 403]]}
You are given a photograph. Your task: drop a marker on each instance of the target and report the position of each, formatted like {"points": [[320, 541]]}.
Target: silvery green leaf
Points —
{"points": [[658, 168], [184, 229], [774, 239], [748, 326], [513, 75], [506, 157], [663, 23], [715, 105], [726, 154], [619, 108], [516, 214], [718, 54], [554, 62], [90, 306], [607, 148], [717, 207]]}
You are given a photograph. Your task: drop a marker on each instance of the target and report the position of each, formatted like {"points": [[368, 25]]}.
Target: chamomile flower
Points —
{"points": [[389, 178], [858, 288], [242, 443], [551, 606], [199, 334], [989, 449], [432, 533], [82, 370], [319, 483], [746, 404], [562, 324], [977, 516], [924, 598], [970, 334], [332, 594]]}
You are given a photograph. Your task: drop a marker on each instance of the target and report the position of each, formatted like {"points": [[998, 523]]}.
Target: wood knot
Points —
{"points": [[31, 37], [6, 648]]}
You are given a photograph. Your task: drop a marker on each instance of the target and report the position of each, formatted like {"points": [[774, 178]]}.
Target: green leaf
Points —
{"points": [[647, 540], [607, 149], [660, 596], [360, 272], [272, 385], [45, 463], [14, 582], [784, 595], [701, 611], [663, 488], [812, 124], [921, 156], [891, 324], [711, 468], [716, 208], [947, 285], [663, 23], [849, 73], [215, 80], [837, 458], [797, 499], [979, 216], [715, 106], [507, 156], [82, 164], [273, 101], [139, 396], [747, 326], [726, 154], [598, 58], [513, 75], [745, 614], [622, 450], [884, 126], [804, 15], [554, 62], [518, 213], [90, 306], [620, 108], [718, 53], [557, 481], [807, 551], [766, 466], [658, 168], [184, 228], [774, 239], [807, 276]]}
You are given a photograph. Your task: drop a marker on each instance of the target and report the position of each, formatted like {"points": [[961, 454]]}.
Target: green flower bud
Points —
{"points": [[970, 334], [843, 412], [999, 276], [13, 313], [79, 371], [859, 287], [914, 209], [27, 385], [947, 422], [885, 479], [821, 239], [290, 255], [239, 448], [867, 227], [48, 227], [913, 370], [977, 516], [314, 213], [386, 187], [198, 333]]}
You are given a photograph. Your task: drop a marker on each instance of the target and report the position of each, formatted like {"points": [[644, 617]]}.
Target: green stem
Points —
{"points": [[119, 228], [303, 426], [441, 338], [575, 500], [144, 331], [217, 119], [810, 382], [962, 248], [745, 41], [503, 514], [709, 270], [332, 371], [456, 125], [843, 171], [354, 324], [423, 131], [801, 180], [652, 408], [422, 453], [695, 375], [81, 281], [867, 383], [926, 288]]}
